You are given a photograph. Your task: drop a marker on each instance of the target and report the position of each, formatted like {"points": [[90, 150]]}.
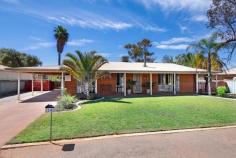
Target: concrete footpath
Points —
{"points": [[216, 143]]}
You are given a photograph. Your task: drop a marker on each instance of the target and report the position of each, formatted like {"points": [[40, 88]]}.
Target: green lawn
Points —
{"points": [[133, 115]]}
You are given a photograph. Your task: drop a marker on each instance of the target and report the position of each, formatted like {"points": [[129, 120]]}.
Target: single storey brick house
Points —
{"points": [[155, 78]]}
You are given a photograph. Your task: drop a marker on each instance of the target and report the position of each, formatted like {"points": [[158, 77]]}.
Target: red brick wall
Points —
{"points": [[145, 78], [187, 83], [107, 84], [71, 86], [155, 84]]}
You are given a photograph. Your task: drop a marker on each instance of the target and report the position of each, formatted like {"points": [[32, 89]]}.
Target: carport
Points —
{"points": [[44, 70]]}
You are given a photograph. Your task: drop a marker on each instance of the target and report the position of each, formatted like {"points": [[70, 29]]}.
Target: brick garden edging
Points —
{"points": [[79, 103]]}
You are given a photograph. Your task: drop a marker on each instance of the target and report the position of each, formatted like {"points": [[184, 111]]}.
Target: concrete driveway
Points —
{"points": [[15, 116], [220, 143]]}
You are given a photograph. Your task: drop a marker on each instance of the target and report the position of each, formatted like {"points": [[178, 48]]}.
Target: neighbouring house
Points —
{"points": [[229, 78], [228, 74], [155, 79], [8, 81]]}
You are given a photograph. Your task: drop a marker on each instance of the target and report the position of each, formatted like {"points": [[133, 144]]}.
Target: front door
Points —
{"points": [[137, 88]]}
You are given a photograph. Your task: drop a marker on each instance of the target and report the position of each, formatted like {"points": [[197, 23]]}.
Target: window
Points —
{"points": [[165, 79], [160, 79]]}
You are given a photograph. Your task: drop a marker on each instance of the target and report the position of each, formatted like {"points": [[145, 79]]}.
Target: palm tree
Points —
{"points": [[210, 48], [185, 59], [62, 36], [199, 61], [84, 67]]}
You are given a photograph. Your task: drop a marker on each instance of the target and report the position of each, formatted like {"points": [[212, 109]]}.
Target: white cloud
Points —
{"points": [[174, 43], [39, 45], [154, 28], [192, 5], [45, 44], [79, 42], [176, 40], [35, 38], [176, 46], [139, 23], [183, 28], [89, 19], [98, 22], [200, 18], [179, 43], [90, 22]]}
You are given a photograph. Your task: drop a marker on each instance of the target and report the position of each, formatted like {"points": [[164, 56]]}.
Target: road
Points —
{"points": [[220, 143]]}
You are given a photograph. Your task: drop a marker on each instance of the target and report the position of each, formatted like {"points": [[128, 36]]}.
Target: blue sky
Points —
{"points": [[102, 25]]}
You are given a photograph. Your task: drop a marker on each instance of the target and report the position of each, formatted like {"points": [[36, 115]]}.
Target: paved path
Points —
{"points": [[220, 143], [15, 116]]}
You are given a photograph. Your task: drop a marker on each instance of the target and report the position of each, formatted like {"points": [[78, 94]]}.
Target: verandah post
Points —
{"points": [[62, 83], [150, 83], [197, 91], [18, 86], [174, 84], [124, 84], [32, 85]]}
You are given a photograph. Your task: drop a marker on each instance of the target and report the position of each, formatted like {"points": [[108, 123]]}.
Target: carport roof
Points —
{"points": [[229, 72], [39, 69], [2, 67]]}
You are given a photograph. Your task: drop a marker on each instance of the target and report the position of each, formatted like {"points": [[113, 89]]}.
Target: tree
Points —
{"points": [[222, 17], [199, 61], [139, 52], [134, 52], [168, 59], [125, 58], [144, 45], [210, 48], [13, 58], [185, 59], [62, 36], [84, 67]]}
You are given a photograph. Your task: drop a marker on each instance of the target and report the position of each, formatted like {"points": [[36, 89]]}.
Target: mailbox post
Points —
{"points": [[49, 108]]}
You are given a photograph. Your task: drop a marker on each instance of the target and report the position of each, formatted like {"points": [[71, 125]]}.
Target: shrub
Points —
{"points": [[147, 84], [92, 96], [66, 102], [130, 84], [222, 90]]}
